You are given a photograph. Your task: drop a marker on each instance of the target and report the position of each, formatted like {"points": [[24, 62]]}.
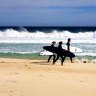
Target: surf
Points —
{"points": [[25, 36]]}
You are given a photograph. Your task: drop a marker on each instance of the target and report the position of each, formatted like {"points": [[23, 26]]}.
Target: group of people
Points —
{"points": [[59, 55]]}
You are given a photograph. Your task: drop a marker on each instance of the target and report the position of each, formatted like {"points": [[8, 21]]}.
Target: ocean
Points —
{"points": [[29, 41]]}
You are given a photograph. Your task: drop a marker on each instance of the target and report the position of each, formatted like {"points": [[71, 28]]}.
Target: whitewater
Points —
{"points": [[24, 41], [24, 36]]}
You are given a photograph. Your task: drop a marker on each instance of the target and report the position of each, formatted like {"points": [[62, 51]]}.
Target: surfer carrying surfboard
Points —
{"points": [[59, 53], [53, 44]]}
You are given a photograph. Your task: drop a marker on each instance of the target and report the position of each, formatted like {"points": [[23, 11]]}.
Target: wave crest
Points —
{"points": [[24, 36]]}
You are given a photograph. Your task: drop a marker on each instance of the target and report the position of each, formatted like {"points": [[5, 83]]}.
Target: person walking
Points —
{"points": [[68, 44], [52, 45], [68, 48], [59, 53]]}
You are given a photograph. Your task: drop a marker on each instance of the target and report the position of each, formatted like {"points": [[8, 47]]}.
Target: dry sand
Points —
{"points": [[21, 77]]}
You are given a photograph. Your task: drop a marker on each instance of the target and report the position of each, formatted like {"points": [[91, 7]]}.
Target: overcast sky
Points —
{"points": [[47, 12]]}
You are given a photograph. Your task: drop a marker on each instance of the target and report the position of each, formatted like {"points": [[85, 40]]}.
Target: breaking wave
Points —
{"points": [[24, 36]]}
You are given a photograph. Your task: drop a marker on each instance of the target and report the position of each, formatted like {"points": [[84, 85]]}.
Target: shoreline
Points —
{"points": [[36, 56]]}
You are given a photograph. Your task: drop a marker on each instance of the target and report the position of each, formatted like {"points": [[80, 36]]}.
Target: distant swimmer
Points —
{"points": [[52, 45]]}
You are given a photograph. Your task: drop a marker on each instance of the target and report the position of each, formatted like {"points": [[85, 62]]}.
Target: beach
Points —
{"points": [[26, 77]]}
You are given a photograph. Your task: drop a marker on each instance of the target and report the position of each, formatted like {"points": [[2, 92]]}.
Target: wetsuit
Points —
{"points": [[52, 55], [59, 54]]}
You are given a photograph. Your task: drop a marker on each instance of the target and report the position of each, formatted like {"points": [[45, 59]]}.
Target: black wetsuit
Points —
{"points": [[68, 48], [59, 54], [52, 55]]}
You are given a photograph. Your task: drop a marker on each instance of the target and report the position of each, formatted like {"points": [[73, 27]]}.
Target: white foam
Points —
{"points": [[13, 36], [85, 54]]}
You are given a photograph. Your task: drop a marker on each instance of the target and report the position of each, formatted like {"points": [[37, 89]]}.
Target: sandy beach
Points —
{"points": [[23, 77]]}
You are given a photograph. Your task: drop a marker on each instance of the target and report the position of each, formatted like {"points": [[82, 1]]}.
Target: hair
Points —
{"points": [[60, 42], [53, 42], [69, 39]]}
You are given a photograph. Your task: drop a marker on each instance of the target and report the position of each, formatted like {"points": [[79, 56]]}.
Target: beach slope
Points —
{"points": [[23, 77]]}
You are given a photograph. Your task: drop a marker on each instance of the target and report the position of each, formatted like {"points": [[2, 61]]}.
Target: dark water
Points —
{"points": [[50, 29]]}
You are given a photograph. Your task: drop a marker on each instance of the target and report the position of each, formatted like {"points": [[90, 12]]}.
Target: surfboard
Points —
{"points": [[73, 49], [44, 52], [59, 52]]}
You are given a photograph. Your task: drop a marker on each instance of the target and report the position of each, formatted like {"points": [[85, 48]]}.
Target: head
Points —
{"points": [[60, 43], [69, 39], [53, 42]]}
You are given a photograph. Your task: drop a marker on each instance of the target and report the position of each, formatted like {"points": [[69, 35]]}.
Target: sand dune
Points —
{"points": [[21, 77]]}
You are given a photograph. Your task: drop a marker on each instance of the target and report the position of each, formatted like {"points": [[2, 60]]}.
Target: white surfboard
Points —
{"points": [[44, 52], [72, 49]]}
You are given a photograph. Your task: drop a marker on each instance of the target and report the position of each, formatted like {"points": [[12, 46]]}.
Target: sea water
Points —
{"points": [[30, 40]]}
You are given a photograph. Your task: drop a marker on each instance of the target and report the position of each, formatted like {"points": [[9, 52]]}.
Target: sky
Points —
{"points": [[48, 13]]}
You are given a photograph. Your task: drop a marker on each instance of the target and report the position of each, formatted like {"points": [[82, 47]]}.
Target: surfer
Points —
{"points": [[53, 44], [68, 48], [59, 53], [68, 44]]}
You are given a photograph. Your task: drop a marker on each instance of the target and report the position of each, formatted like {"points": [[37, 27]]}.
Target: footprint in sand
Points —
{"points": [[11, 91], [12, 81], [2, 62], [1, 91], [14, 73], [81, 81]]}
